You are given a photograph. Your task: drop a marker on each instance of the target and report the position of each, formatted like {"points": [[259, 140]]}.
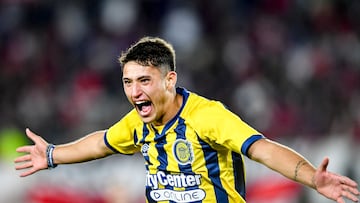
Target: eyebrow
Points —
{"points": [[139, 78]]}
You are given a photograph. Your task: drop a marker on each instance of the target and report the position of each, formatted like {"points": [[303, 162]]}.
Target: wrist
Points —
{"points": [[49, 156]]}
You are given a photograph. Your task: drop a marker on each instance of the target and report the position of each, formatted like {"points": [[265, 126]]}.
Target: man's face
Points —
{"points": [[147, 89]]}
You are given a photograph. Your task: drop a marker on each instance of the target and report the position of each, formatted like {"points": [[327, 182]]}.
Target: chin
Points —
{"points": [[147, 119]]}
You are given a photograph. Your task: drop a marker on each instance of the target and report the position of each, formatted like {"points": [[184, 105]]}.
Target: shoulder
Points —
{"points": [[200, 104], [129, 122], [204, 113], [210, 110]]}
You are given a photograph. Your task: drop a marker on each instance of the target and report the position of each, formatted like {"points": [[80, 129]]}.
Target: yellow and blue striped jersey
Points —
{"points": [[195, 157]]}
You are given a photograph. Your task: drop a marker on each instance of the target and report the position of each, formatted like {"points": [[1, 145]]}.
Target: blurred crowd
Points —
{"points": [[291, 69]]}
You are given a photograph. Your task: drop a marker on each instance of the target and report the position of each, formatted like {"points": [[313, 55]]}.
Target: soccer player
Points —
{"points": [[193, 147]]}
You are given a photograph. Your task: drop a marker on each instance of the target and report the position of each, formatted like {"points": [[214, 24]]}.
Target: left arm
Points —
{"points": [[295, 167]]}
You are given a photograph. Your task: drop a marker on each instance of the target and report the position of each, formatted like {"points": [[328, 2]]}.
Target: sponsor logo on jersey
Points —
{"points": [[174, 180], [145, 149], [162, 180], [183, 152], [178, 196]]}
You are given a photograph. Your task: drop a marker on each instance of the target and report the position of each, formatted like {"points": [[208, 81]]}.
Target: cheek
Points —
{"points": [[161, 97], [127, 94], [155, 90]]}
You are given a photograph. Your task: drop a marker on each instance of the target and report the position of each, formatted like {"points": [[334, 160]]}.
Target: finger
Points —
{"points": [[31, 135], [34, 137], [340, 200], [22, 158], [352, 190], [29, 172], [324, 164], [347, 181], [25, 165], [349, 195], [26, 149]]}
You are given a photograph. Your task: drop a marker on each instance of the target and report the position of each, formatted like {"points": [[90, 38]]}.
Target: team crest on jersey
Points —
{"points": [[183, 152]]}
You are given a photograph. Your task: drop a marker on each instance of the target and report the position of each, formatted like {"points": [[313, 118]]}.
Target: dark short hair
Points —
{"points": [[150, 51]]}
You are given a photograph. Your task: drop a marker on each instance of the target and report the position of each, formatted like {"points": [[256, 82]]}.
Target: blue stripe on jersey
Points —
{"points": [[180, 129], [239, 175], [145, 133], [163, 159], [162, 155], [212, 164], [245, 147], [147, 162], [136, 139]]}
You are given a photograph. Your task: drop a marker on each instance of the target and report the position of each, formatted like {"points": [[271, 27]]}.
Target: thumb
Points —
{"points": [[324, 164], [34, 137]]}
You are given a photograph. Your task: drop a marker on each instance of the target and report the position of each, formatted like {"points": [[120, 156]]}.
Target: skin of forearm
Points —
{"points": [[285, 161], [88, 148]]}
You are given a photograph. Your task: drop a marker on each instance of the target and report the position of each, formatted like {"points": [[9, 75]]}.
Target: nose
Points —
{"points": [[135, 90]]}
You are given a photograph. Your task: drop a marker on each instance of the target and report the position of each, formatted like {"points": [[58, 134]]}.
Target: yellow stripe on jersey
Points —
{"points": [[195, 157]]}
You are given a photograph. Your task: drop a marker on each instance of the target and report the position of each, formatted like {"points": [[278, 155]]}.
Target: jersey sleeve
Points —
{"points": [[120, 136], [227, 129]]}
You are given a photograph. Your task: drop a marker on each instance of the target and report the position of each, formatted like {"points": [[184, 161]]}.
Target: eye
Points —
{"points": [[145, 80], [127, 82]]}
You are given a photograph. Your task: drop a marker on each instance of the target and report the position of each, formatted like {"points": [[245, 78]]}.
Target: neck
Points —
{"points": [[172, 108]]}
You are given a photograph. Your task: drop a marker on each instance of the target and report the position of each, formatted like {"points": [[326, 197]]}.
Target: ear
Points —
{"points": [[171, 79]]}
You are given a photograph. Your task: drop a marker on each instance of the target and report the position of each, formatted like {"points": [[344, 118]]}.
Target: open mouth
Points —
{"points": [[144, 107]]}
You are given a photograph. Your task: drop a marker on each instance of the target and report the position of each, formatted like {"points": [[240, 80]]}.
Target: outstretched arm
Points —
{"points": [[87, 148], [294, 166]]}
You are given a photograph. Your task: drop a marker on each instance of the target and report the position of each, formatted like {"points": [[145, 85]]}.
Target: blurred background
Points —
{"points": [[291, 69]]}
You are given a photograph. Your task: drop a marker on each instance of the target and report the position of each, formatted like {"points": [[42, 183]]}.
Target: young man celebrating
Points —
{"points": [[193, 147]]}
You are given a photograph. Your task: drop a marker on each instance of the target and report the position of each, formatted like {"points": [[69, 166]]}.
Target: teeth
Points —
{"points": [[139, 102]]}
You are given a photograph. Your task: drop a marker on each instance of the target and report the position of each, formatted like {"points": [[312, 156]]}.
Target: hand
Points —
{"points": [[334, 186], [35, 157]]}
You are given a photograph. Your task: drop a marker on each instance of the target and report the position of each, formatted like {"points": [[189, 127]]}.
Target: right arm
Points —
{"points": [[90, 147]]}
